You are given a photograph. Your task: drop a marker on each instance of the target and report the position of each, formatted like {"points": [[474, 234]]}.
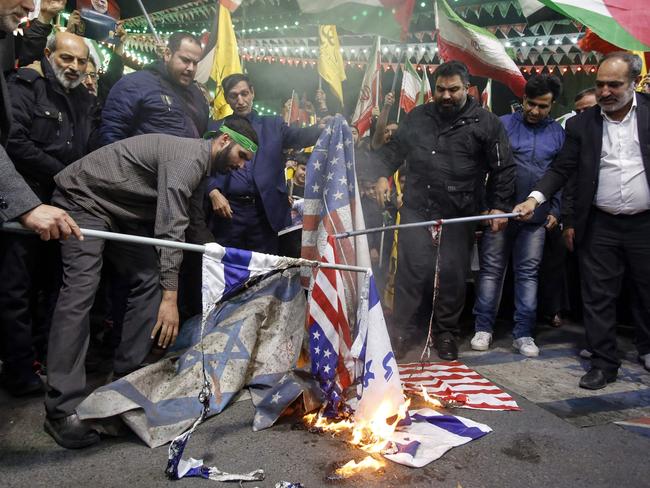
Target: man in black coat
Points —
{"points": [[17, 200], [52, 127], [607, 150], [450, 146]]}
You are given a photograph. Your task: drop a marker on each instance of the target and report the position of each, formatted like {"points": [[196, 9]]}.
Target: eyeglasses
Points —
{"points": [[92, 76]]}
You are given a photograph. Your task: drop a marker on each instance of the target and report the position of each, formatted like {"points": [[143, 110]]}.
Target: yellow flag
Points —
{"points": [[226, 62], [389, 289], [330, 61]]}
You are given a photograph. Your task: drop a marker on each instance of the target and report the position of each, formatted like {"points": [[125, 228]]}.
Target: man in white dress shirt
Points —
{"points": [[607, 148]]}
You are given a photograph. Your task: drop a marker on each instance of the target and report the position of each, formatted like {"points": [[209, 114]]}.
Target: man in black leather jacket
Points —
{"points": [[458, 163]]}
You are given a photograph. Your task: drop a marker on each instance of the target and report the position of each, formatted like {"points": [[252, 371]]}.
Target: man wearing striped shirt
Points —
{"points": [[140, 186]]}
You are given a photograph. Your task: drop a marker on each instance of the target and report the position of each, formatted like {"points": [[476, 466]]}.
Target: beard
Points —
{"points": [[222, 163], [449, 111], [60, 75], [616, 103]]}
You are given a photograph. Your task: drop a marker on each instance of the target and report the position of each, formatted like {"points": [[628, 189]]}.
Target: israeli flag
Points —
{"points": [[226, 270], [429, 435], [379, 376]]}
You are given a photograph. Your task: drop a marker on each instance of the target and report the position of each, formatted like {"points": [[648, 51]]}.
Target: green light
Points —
{"points": [[354, 17], [423, 4], [296, 23], [381, 13], [364, 13]]}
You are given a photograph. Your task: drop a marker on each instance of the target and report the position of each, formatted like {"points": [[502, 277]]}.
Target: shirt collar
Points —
{"points": [[629, 114]]}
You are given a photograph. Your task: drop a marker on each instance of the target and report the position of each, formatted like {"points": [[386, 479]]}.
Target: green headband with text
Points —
{"points": [[240, 139]]}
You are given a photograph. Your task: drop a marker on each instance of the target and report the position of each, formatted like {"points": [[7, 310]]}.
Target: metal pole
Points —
{"points": [[150, 241], [153, 29], [457, 220]]}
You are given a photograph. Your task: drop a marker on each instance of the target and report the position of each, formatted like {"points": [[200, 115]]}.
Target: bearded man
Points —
{"points": [[450, 145], [141, 186], [53, 125]]}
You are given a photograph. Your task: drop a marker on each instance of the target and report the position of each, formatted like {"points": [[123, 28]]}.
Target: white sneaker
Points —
{"points": [[481, 341], [526, 346]]}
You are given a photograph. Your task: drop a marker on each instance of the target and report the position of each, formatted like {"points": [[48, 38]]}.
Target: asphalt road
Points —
{"points": [[530, 448]]}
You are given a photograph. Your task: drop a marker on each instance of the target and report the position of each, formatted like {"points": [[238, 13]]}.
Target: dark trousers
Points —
{"points": [[69, 337], [415, 274], [29, 284], [610, 243], [248, 229], [553, 297]]}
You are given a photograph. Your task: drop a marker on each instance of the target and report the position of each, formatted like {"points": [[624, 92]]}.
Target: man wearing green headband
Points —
{"points": [[143, 186], [251, 205]]}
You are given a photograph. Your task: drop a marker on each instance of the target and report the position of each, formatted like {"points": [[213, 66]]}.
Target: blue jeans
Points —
{"points": [[525, 242]]}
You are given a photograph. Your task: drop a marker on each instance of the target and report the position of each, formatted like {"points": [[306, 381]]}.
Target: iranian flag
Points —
{"points": [[411, 88], [625, 23], [388, 18], [479, 49], [368, 93], [425, 95]]}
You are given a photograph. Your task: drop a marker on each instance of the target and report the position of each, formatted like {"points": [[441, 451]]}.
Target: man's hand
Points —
{"points": [[50, 9], [551, 222], [74, 22], [167, 322], [382, 191], [497, 225], [526, 209], [375, 112], [220, 205], [51, 223], [569, 234], [389, 99]]}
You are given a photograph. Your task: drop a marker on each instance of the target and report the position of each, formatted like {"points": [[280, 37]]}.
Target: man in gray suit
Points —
{"points": [[17, 200], [143, 186]]}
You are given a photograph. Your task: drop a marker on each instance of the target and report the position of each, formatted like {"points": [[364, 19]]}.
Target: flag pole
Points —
{"points": [[379, 71], [399, 66], [429, 223], [150, 241], [153, 29]]}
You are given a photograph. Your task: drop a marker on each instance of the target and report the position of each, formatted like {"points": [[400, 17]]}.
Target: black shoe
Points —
{"points": [[447, 347], [21, 385], [645, 361], [596, 379], [71, 432]]}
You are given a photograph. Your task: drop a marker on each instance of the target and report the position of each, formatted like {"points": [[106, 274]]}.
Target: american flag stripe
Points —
{"points": [[328, 314], [455, 381]]}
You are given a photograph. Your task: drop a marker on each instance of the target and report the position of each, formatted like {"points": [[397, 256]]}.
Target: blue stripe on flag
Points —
{"points": [[452, 425], [236, 270], [373, 296]]}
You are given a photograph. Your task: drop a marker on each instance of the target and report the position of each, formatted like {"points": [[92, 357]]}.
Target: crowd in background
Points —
{"points": [[448, 158]]}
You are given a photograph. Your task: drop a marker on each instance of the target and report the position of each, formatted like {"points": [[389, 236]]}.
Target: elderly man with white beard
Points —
{"points": [[53, 125]]}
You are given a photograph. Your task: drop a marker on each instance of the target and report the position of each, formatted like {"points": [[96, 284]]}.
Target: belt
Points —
{"points": [[243, 199]]}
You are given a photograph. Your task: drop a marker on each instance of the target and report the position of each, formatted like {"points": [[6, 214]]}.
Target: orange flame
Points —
{"points": [[433, 401], [352, 467], [372, 435]]}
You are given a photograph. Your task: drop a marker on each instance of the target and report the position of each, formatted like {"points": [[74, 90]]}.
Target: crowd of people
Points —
{"points": [[139, 154]]}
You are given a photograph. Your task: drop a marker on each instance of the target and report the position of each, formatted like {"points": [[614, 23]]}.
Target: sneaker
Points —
{"points": [[481, 341], [526, 346]]}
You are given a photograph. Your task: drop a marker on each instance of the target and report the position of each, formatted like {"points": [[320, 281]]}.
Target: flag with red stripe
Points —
{"points": [[330, 339], [332, 205], [453, 381]]}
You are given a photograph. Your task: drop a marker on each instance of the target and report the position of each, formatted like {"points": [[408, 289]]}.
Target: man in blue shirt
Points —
{"points": [[535, 139], [251, 205]]}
